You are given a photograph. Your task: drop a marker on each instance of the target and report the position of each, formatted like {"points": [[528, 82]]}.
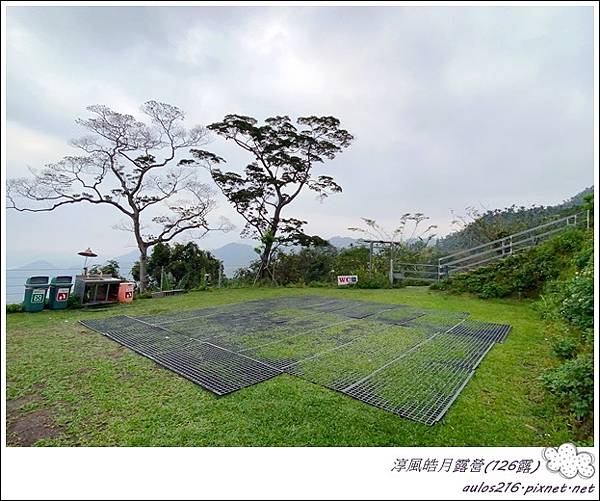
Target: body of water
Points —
{"points": [[16, 277]]}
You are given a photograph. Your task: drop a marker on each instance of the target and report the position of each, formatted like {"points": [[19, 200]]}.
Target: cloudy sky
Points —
{"points": [[450, 106]]}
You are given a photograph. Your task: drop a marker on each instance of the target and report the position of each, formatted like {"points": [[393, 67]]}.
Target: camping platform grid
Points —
{"points": [[413, 362]]}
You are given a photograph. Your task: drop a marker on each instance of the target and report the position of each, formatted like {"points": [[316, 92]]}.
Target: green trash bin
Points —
{"points": [[35, 293], [60, 289]]}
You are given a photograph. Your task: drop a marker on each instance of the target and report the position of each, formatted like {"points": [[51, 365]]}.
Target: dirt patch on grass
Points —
{"points": [[26, 429], [13, 405], [116, 353]]}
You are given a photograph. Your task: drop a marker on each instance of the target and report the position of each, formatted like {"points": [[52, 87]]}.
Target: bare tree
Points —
{"points": [[409, 232], [130, 165], [409, 236]]}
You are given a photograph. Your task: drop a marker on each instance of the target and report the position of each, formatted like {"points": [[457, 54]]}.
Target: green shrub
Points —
{"points": [[573, 383], [377, 282], [568, 303], [73, 302], [319, 284], [14, 308], [577, 307], [565, 348], [525, 273]]}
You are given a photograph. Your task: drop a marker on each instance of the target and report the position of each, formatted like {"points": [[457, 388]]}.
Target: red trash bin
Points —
{"points": [[126, 292]]}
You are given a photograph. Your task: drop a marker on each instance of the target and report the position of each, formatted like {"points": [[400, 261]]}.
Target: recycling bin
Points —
{"points": [[126, 292], [35, 294], [60, 289]]}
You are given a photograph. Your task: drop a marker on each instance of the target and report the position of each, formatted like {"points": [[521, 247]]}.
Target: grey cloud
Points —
{"points": [[450, 106]]}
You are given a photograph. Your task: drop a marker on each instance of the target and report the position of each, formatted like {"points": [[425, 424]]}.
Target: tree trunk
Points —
{"points": [[265, 257], [264, 261], [143, 269]]}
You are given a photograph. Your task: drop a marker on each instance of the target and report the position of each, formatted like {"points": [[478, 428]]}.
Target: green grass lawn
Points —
{"points": [[67, 385]]}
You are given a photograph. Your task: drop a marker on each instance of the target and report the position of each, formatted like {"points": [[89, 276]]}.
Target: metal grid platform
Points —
{"points": [[212, 367], [409, 361]]}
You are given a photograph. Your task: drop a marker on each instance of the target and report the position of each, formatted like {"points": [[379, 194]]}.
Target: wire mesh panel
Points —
{"points": [[212, 367], [337, 369], [485, 330], [138, 336], [361, 309], [438, 320], [412, 389], [253, 332], [292, 349], [423, 384], [410, 361], [398, 316]]}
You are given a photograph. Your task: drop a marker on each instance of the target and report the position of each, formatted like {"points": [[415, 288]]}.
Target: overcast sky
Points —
{"points": [[450, 106]]}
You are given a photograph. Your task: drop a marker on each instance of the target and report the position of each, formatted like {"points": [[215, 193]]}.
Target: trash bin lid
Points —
{"points": [[63, 280], [37, 281]]}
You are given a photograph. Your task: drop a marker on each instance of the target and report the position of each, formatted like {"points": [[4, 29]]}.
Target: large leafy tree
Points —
{"points": [[182, 264], [131, 166], [284, 156]]}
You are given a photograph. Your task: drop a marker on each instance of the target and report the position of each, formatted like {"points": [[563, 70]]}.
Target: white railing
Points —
{"points": [[480, 255]]}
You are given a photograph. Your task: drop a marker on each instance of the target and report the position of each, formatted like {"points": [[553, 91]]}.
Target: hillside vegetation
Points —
{"points": [[559, 273], [477, 226]]}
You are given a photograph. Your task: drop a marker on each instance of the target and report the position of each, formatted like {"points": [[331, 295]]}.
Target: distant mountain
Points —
{"points": [[234, 256], [128, 259], [37, 265], [342, 242], [237, 255]]}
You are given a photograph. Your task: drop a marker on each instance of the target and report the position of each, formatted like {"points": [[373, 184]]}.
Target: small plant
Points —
{"points": [[573, 383], [73, 302], [565, 348], [577, 307], [377, 282], [14, 308]]}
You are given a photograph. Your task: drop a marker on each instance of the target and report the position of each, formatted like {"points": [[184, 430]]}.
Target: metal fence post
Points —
{"points": [[587, 219], [370, 260]]}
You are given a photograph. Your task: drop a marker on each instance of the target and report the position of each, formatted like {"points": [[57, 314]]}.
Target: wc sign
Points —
{"points": [[347, 279]]}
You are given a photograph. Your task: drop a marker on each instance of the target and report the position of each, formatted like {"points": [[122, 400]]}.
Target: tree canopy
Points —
{"points": [[284, 156], [129, 165]]}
